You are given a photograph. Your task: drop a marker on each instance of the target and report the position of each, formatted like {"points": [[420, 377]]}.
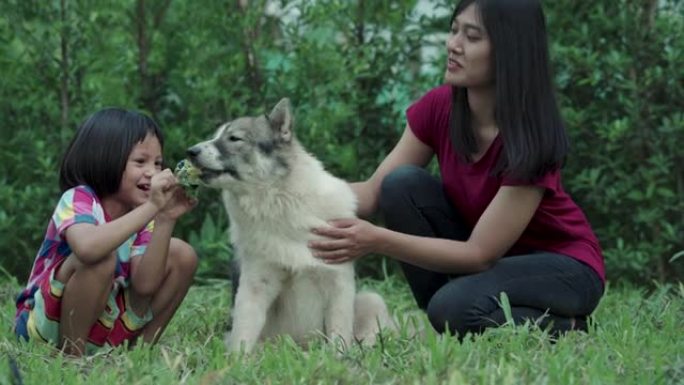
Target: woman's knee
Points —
{"points": [[402, 185], [182, 257], [459, 309], [447, 314], [403, 179]]}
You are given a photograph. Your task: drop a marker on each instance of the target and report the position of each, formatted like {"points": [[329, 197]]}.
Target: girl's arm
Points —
{"points": [[498, 229], [409, 150], [148, 271], [92, 243]]}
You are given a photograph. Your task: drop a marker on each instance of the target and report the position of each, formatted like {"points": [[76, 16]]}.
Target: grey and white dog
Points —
{"points": [[275, 193]]}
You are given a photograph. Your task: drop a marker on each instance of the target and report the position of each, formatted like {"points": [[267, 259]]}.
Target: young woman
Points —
{"points": [[499, 219], [108, 270]]}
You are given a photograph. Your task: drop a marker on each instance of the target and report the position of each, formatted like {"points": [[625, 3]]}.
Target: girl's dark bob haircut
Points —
{"points": [[98, 154], [525, 109]]}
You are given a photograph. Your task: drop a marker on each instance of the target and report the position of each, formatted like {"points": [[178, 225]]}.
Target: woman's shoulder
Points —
{"points": [[440, 93], [428, 117], [436, 99]]}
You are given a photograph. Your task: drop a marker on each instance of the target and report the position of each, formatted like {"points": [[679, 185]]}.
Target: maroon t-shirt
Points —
{"points": [[557, 226]]}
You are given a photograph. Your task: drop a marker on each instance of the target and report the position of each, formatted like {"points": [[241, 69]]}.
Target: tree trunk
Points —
{"points": [[250, 37], [150, 83], [142, 41], [649, 9], [64, 65]]}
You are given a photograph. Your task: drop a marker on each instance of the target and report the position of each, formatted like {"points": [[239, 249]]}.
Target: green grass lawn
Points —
{"points": [[636, 338]]}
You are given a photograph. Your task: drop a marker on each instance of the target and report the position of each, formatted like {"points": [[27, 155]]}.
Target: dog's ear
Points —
{"points": [[281, 119]]}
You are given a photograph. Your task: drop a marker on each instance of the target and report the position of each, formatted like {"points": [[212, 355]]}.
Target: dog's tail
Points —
{"points": [[371, 317]]}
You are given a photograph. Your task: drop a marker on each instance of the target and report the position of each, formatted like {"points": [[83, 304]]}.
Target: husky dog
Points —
{"points": [[275, 193]]}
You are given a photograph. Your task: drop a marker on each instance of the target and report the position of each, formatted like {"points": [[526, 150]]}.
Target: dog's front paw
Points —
{"points": [[340, 342], [234, 344]]}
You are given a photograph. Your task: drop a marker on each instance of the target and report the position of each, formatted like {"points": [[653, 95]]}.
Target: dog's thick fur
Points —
{"points": [[275, 193]]}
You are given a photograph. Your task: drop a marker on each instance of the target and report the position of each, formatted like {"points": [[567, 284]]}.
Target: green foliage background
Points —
{"points": [[351, 68]]}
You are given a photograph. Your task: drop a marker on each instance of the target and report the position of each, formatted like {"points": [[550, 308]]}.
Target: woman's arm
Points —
{"points": [[409, 150], [500, 226], [498, 229]]}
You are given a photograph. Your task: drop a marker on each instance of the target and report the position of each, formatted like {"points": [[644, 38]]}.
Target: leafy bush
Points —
{"points": [[620, 74]]}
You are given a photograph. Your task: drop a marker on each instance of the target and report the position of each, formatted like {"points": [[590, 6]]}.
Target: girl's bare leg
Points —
{"points": [[180, 270], [86, 289]]}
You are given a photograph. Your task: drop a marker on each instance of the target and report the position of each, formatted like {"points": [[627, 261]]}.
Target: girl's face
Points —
{"points": [[469, 51], [144, 161]]}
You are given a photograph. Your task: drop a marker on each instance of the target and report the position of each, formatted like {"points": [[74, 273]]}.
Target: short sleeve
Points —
{"points": [[550, 181], [77, 205], [430, 114], [142, 239]]}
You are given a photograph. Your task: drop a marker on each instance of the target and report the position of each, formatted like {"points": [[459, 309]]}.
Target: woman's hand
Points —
{"points": [[349, 239]]}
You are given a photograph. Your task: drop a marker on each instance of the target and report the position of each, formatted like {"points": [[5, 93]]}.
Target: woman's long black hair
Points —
{"points": [[525, 109]]}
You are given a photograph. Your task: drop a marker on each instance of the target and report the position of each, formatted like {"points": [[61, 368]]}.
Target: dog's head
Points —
{"points": [[248, 149]]}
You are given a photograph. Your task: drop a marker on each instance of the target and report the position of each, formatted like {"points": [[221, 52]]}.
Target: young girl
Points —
{"points": [[108, 270], [499, 219]]}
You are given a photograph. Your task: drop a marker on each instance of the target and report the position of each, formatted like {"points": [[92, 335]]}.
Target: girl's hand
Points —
{"points": [[162, 188], [179, 204], [349, 239]]}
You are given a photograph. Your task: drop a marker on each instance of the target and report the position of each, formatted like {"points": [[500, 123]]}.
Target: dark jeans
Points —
{"points": [[553, 290]]}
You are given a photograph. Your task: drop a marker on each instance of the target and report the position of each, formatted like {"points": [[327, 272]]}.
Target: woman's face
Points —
{"points": [[469, 51]]}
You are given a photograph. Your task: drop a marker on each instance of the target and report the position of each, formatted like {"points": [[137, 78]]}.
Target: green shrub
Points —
{"points": [[619, 72]]}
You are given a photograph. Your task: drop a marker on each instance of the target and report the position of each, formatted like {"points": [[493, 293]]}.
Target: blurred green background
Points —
{"points": [[350, 67]]}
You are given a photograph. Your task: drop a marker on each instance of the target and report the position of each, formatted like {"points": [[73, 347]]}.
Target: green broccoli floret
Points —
{"points": [[188, 176]]}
